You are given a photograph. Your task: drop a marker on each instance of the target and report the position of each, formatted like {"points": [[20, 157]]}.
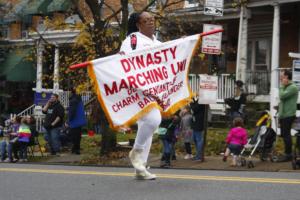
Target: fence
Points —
{"points": [[225, 85], [258, 82]]}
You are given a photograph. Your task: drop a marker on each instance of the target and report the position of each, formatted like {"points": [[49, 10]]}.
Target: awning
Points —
{"points": [[59, 5], [35, 7], [17, 66]]}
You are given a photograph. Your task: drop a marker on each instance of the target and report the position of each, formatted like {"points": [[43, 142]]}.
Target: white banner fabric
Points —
{"points": [[130, 85]]}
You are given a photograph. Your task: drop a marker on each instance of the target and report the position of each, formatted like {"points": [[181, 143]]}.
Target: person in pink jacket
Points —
{"points": [[236, 139]]}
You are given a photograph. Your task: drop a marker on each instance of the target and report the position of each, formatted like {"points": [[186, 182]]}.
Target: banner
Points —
{"points": [[130, 85]]}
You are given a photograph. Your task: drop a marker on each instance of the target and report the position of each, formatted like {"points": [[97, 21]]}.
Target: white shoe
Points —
{"points": [[188, 156], [7, 160], [136, 161], [144, 175]]}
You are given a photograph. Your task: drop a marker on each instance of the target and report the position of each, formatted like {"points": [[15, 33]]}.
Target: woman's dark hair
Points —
{"points": [[133, 19], [18, 119], [288, 74], [238, 121], [239, 83], [32, 119]]}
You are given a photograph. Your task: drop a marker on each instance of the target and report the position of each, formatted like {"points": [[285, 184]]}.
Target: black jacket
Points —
{"points": [[54, 110], [198, 114], [170, 125], [236, 103]]}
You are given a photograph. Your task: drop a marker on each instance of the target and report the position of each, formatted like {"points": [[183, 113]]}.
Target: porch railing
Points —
{"points": [[65, 95], [64, 99], [258, 82], [225, 85]]}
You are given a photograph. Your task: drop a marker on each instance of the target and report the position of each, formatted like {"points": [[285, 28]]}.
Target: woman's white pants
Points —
{"points": [[146, 127]]}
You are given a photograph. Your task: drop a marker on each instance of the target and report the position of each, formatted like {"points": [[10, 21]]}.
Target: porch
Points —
{"points": [[257, 85]]}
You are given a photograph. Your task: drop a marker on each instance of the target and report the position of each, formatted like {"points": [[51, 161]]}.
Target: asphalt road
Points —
{"points": [[49, 182]]}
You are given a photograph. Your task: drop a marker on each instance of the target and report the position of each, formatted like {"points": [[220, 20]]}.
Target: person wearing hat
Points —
{"points": [[237, 102]]}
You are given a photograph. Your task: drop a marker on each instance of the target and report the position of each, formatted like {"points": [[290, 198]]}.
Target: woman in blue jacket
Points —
{"points": [[76, 120]]}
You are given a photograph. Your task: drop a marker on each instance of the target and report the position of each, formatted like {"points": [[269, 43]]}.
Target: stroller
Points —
{"points": [[296, 149], [261, 142]]}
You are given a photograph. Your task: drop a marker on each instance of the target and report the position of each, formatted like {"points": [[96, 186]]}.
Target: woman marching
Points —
{"points": [[141, 27]]}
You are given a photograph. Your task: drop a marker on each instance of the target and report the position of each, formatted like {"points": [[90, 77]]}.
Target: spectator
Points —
{"points": [[168, 139], [236, 139], [76, 119], [198, 115], [238, 102], [32, 125], [95, 117], [24, 135], [53, 122], [288, 95], [186, 131], [10, 137]]}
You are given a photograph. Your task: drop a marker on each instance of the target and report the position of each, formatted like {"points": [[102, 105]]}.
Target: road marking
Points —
{"points": [[165, 176]]}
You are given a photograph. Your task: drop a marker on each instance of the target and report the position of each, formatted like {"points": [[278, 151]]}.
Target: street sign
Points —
{"points": [[208, 89], [211, 44], [214, 7], [296, 72]]}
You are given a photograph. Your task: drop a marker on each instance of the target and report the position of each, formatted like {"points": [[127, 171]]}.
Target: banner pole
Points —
{"points": [[85, 64]]}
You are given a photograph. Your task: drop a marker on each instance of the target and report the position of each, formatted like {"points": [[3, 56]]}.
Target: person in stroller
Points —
{"points": [[236, 139]]}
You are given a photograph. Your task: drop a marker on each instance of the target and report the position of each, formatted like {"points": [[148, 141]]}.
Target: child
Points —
{"points": [[236, 139], [24, 135], [168, 125], [186, 131]]}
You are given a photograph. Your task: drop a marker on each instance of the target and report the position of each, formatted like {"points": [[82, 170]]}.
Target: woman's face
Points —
{"points": [[146, 23]]}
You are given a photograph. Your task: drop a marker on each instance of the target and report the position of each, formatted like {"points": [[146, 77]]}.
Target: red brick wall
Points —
{"points": [[15, 31], [289, 37]]}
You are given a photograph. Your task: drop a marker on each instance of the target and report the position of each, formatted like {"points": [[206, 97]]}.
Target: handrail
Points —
{"points": [[27, 111]]}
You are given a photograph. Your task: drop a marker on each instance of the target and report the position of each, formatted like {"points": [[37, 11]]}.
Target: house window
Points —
{"points": [[191, 3], [4, 33], [259, 52]]}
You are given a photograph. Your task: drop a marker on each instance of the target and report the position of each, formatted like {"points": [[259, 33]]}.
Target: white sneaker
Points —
{"points": [[7, 160], [136, 161], [188, 156], [144, 175]]}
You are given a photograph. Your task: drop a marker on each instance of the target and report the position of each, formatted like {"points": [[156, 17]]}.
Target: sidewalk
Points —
{"points": [[210, 163]]}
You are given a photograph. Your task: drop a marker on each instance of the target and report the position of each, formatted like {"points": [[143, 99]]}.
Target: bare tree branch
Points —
{"points": [[171, 3], [114, 14]]}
